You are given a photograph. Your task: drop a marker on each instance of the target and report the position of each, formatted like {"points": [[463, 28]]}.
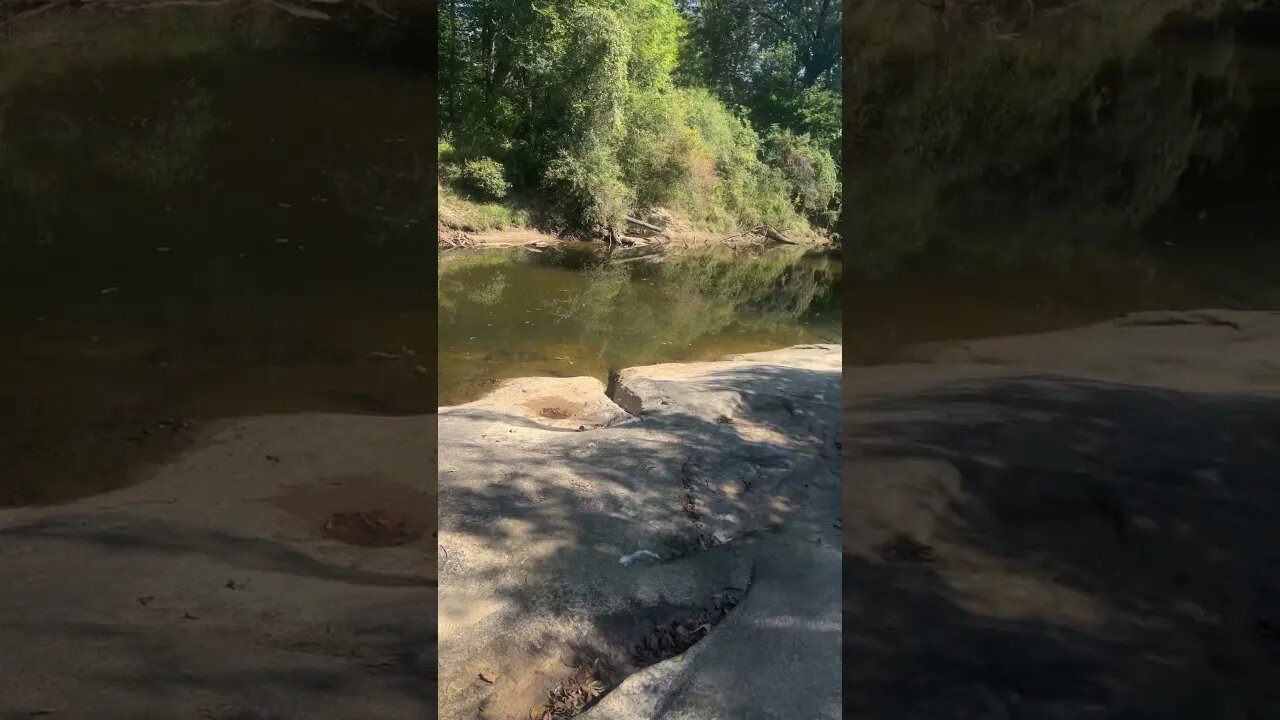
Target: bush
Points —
{"points": [[655, 151], [810, 171], [751, 191], [483, 176], [588, 188]]}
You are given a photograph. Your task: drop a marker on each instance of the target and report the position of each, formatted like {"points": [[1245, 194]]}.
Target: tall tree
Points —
{"points": [[780, 59]]}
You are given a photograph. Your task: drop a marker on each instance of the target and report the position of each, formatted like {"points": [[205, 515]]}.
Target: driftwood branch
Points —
{"points": [[642, 224], [776, 236], [725, 240]]}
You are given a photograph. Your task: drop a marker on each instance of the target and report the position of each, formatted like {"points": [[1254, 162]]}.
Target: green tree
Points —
{"points": [[778, 58], [584, 104]]}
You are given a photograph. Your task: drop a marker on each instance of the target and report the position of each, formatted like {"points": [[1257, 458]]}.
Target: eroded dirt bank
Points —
{"points": [[668, 542], [1079, 524], [282, 568]]}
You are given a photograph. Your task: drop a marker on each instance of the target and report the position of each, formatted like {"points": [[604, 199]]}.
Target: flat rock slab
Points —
{"points": [[1071, 525], [775, 656], [213, 591], [566, 536]]}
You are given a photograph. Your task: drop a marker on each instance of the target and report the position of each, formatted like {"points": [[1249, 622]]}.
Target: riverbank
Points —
{"points": [[656, 541], [464, 223], [453, 238], [1081, 520]]}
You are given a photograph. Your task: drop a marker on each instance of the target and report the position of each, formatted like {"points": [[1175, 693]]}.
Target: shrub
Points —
{"points": [[655, 151], [483, 176], [588, 188], [748, 189], [809, 169]]}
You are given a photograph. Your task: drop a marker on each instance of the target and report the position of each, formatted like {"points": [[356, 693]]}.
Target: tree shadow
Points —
{"points": [[340, 664], [310, 637], [161, 537], [1154, 506], [678, 481]]}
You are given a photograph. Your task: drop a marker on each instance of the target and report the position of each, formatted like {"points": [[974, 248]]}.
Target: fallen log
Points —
{"points": [[777, 236], [642, 223]]}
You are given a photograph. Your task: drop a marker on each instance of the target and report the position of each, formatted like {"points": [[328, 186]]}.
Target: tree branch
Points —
{"points": [[768, 16], [817, 24]]}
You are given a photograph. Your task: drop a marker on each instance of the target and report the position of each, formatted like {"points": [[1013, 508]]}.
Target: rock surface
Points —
{"points": [[727, 472], [1072, 525], [212, 590]]}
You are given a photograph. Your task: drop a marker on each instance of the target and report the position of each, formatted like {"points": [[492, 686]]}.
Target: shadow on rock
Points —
{"points": [[535, 523], [1101, 550]]}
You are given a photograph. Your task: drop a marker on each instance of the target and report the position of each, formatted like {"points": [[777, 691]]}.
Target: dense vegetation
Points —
{"points": [[724, 112], [1010, 133]]}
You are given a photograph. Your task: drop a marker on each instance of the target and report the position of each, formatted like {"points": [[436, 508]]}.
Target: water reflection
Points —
{"points": [[578, 312], [204, 213]]}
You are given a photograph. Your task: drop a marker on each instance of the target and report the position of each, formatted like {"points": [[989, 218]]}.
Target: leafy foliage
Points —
{"points": [[780, 59], [812, 177], [484, 176], [595, 107], [1017, 138]]}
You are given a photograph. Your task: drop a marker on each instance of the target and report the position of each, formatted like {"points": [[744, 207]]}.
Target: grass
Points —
{"points": [[460, 213]]}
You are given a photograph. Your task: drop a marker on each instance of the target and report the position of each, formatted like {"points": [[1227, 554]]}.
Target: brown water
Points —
{"points": [[581, 311], [206, 214]]}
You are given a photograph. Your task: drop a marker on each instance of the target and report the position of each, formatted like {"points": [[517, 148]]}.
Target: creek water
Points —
{"points": [[582, 311], [204, 213]]}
